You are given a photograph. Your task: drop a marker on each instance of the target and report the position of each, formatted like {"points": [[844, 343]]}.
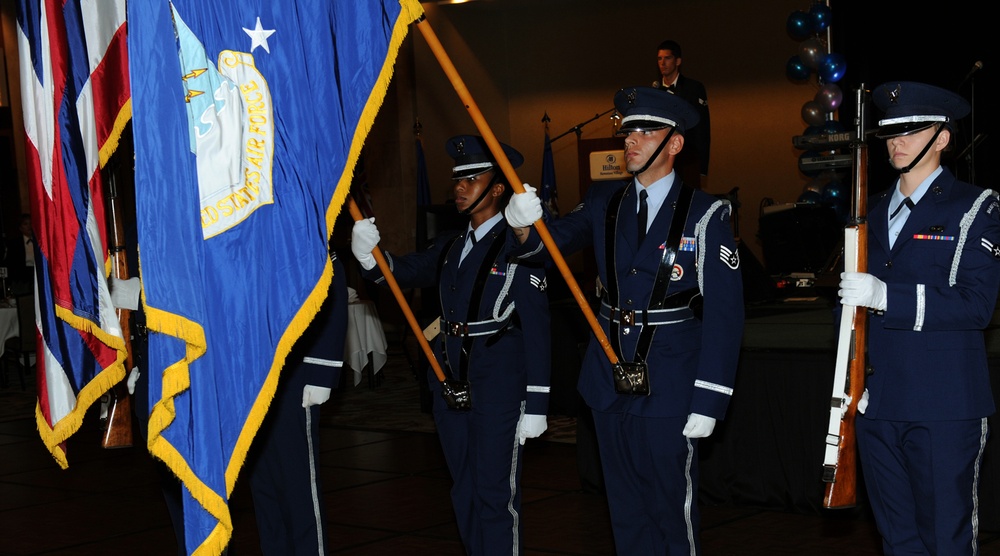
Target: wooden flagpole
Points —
{"points": [[513, 180], [383, 265]]}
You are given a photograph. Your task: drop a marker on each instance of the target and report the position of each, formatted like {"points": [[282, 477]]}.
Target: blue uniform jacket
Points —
{"points": [[692, 364], [318, 355], [927, 350], [505, 367]]}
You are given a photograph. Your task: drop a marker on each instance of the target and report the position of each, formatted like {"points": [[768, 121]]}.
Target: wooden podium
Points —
{"points": [[586, 148]]}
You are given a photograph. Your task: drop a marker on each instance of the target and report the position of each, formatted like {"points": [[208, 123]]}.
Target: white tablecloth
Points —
{"points": [[8, 325], [365, 338]]}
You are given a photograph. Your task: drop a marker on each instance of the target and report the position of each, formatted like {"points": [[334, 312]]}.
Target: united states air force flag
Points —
{"points": [[248, 119]]}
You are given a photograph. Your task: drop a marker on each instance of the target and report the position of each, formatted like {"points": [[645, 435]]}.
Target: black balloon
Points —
{"points": [[833, 126], [796, 70], [799, 25], [820, 15]]}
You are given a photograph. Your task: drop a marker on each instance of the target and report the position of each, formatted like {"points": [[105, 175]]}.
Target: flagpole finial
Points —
{"points": [[546, 118]]}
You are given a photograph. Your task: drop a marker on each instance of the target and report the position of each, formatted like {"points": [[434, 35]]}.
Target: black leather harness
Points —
{"points": [[471, 329], [662, 308]]}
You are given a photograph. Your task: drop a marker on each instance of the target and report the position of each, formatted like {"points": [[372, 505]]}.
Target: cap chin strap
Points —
{"points": [[482, 195], [656, 153], [927, 147]]}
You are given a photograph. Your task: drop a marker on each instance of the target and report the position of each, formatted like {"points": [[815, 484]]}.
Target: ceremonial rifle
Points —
{"points": [[118, 427], [840, 462]]}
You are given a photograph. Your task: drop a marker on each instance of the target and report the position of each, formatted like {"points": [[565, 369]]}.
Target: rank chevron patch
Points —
{"points": [[729, 257], [993, 248]]}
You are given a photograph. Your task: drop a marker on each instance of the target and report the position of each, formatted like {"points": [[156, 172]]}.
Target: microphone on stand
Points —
{"points": [[975, 67]]}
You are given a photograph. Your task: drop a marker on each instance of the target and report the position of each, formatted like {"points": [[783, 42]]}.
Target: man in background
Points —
{"points": [[692, 162]]}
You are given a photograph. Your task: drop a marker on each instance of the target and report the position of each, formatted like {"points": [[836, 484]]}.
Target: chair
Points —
{"points": [[19, 350]]}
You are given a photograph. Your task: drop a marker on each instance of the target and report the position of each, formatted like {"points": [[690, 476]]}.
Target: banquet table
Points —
{"points": [[366, 342]]}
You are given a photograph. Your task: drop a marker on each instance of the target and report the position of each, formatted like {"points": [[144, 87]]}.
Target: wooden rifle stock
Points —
{"points": [[840, 466], [118, 427]]}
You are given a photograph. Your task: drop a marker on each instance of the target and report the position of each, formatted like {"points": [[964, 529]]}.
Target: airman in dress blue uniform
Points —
{"points": [[672, 308], [284, 459], [494, 338], [931, 286]]}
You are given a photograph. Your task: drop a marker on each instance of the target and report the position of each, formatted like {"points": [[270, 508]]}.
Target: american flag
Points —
{"points": [[74, 88]]}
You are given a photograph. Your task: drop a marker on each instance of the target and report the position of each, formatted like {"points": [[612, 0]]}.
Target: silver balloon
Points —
{"points": [[811, 51], [829, 96], [813, 113]]}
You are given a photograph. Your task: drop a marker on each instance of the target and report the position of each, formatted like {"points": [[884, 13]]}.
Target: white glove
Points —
{"points": [[862, 290], [364, 238], [125, 293], [530, 426], [698, 426], [132, 378], [523, 209], [314, 395]]}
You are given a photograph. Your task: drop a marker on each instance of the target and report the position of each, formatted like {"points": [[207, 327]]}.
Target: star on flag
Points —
{"points": [[259, 36]]}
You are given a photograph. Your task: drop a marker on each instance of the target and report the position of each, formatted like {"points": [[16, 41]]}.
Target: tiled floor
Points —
{"points": [[386, 491]]}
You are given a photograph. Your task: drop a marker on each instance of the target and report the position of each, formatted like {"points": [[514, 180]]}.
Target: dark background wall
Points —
{"points": [[523, 59], [886, 41]]}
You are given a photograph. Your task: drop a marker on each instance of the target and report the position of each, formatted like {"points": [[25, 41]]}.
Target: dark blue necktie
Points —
{"points": [[906, 202], [643, 214]]}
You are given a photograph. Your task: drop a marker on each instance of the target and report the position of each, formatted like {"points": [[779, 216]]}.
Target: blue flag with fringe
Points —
{"points": [[248, 120]]}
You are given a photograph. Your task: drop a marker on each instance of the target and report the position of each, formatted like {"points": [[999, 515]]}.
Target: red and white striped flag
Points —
{"points": [[75, 94]]}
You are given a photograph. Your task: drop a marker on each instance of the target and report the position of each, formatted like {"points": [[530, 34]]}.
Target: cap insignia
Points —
{"points": [[631, 97], [894, 94]]}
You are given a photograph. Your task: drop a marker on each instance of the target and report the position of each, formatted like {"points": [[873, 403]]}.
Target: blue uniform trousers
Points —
{"points": [[484, 458], [285, 476], [651, 477], [922, 480]]}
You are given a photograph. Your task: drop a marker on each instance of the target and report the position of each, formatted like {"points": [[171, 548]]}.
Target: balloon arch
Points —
{"points": [[815, 58]]}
